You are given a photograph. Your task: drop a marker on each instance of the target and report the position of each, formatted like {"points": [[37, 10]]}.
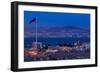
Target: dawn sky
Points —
{"points": [[57, 19]]}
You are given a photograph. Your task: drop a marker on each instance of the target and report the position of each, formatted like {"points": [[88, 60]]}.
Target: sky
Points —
{"points": [[54, 19]]}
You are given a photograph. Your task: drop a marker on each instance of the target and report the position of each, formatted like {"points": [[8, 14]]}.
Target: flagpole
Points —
{"points": [[36, 34]]}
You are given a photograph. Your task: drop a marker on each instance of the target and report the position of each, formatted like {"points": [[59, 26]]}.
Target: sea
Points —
{"points": [[54, 41]]}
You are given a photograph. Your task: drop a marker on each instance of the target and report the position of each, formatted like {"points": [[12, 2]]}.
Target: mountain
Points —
{"points": [[64, 31]]}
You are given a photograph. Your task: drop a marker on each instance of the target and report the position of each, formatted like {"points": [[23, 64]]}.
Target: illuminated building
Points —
{"points": [[36, 45]]}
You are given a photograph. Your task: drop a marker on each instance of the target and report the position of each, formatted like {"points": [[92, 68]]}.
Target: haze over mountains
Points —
{"points": [[63, 31]]}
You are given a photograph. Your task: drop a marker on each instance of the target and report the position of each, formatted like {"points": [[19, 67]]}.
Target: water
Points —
{"points": [[54, 41]]}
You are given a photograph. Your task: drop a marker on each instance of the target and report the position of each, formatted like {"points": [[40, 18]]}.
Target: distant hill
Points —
{"points": [[68, 31]]}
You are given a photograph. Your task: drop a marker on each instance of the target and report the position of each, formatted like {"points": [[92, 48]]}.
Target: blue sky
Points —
{"points": [[57, 19]]}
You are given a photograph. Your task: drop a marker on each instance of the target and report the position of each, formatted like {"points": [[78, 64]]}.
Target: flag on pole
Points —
{"points": [[33, 20]]}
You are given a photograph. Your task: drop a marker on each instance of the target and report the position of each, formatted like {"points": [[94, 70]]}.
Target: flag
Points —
{"points": [[33, 20]]}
